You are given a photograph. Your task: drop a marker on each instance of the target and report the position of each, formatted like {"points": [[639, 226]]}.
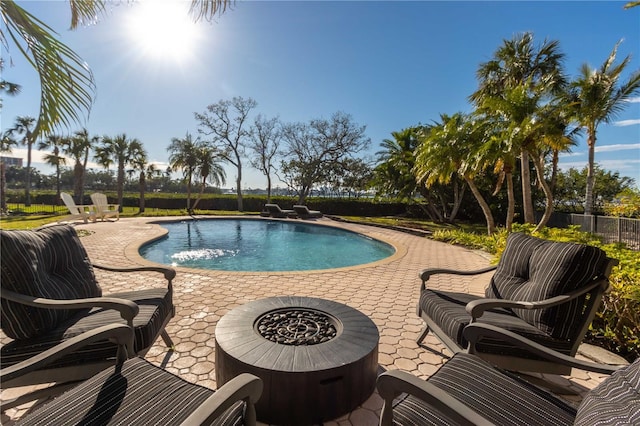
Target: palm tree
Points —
{"points": [[519, 63], [78, 148], [598, 96], [6, 145], [139, 164], [7, 87], [55, 159], [67, 83], [449, 149], [25, 126], [183, 155], [120, 151], [208, 169]]}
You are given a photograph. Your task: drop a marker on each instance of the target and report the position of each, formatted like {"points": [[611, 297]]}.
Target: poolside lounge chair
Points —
{"points": [[135, 391], [103, 208], [276, 211], [49, 294], [467, 390], [547, 292], [78, 211], [303, 212]]}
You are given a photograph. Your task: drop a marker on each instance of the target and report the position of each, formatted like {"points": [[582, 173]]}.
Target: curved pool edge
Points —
{"points": [[132, 250]]}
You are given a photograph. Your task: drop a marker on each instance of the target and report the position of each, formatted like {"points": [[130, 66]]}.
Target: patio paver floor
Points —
{"points": [[386, 291]]}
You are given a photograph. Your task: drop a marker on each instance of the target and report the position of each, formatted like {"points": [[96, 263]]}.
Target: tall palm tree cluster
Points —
{"points": [[127, 155], [526, 111]]}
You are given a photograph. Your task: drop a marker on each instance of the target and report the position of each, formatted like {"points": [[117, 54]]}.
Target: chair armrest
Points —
{"points": [[391, 384], [127, 308], [476, 308], [476, 331], [245, 387], [425, 274], [169, 273], [118, 333]]}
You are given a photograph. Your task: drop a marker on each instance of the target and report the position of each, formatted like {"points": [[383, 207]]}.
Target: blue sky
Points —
{"points": [[391, 65]]}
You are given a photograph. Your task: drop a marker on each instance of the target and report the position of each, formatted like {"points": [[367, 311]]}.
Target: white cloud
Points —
{"points": [[634, 100], [623, 123], [622, 164], [618, 147]]}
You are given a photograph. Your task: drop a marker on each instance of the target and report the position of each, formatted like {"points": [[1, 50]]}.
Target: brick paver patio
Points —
{"points": [[386, 291]]}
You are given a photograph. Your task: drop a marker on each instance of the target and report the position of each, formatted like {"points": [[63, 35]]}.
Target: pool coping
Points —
{"points": [[132, 250]]}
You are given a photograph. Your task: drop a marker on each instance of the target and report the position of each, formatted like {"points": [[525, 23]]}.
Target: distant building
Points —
{"points": [[11, 161]]}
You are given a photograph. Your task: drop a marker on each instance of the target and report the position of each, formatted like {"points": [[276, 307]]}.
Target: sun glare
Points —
{"points": [[163, 29]]}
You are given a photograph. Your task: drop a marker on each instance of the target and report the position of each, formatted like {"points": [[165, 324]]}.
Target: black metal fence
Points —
{"points": [[611, 229]]}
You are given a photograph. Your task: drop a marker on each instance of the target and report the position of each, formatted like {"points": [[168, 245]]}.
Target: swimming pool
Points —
{"points": [[262, 245]]}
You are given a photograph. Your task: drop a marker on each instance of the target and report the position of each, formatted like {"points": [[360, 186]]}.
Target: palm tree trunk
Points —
{"points": [[120, 184], [27, 191], [491, 224], [142, 189], [78, 184], [82, 172], [554, 171], [588, 198], [58, 184], [527, 201], [3, 188], [511, 208], [458, 195], [189, 193], [199, 197], [548, 209]]}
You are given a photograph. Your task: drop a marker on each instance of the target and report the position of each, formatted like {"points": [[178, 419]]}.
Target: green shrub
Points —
{"points": [[617, 322]]}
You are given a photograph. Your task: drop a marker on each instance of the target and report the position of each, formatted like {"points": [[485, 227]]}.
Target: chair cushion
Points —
{"points": [[500, 397], [532, 269], [138, 393], [155, 309], [447, 310], [615, 400], [50, 263]]}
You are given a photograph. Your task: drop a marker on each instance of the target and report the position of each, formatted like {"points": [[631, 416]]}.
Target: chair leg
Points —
{"points": [[423, 334], [167, 339]]}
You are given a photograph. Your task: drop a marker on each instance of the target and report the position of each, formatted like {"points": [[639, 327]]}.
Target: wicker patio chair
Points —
{"points": [[467, 390], [547, 292], [134, 391], [49, 294]]}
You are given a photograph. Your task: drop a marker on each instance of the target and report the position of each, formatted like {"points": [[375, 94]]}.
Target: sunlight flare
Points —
{"points": [[163, 30]]}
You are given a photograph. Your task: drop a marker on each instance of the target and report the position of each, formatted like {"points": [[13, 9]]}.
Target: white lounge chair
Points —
{"points": [[77, 211], [103, 208]]}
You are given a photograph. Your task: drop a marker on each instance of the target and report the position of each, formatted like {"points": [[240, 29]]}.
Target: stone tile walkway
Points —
{"points": [[387, 291]]}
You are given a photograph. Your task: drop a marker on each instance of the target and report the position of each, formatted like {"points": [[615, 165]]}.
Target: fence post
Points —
{"points": [[619, 229]]}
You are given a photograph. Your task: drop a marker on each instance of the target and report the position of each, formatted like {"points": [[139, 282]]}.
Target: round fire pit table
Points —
{"points": [[318, 359]]}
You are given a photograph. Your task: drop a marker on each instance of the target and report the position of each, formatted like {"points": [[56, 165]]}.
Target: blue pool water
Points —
{"points": [[262, 245]]}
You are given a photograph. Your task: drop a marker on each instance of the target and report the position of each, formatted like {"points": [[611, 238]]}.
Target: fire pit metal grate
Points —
{"points": [[297, 326]]}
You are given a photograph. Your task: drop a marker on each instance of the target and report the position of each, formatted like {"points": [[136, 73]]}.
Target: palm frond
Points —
{"points": [[84, 12], [67, 83], [208, 9]]}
